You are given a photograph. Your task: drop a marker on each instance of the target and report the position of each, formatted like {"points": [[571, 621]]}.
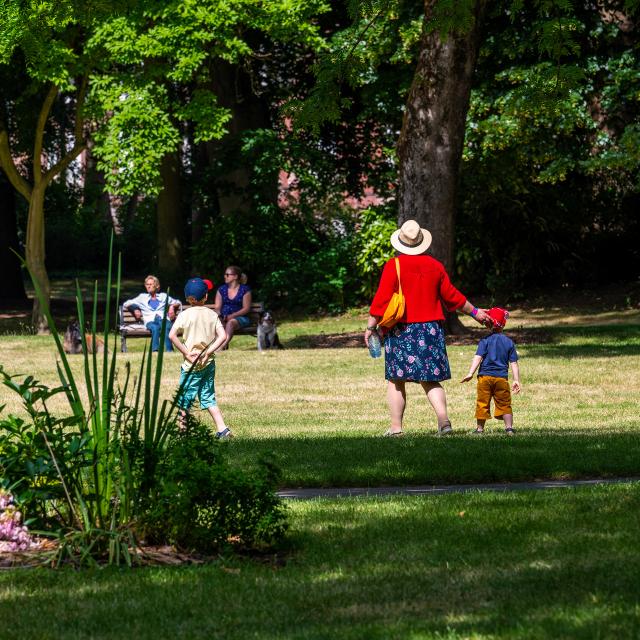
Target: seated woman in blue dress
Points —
{"points": [[233, 302]]}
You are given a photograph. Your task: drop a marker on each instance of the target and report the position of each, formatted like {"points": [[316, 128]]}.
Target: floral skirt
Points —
{"points": [[416, 352]]}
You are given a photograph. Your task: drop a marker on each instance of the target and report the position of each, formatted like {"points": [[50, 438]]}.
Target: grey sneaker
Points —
{"points": [[224, 434], [445, 429]]}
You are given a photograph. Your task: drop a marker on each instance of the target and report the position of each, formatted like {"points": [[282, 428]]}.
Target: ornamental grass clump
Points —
{"points": [[14, 535]]}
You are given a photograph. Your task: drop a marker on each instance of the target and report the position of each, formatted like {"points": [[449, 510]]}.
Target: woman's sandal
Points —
{"points": [[509, 431], [478, 430], [392, 434]]}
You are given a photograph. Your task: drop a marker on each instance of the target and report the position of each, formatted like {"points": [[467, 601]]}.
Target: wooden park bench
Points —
{"points": [[131, 328]]}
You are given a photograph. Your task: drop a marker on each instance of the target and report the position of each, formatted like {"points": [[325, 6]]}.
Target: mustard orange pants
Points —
{"points": [[490, 387]]}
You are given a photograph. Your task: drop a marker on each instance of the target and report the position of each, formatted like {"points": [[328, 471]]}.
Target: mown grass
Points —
{"points": [[542, 565], [321, 412], [554, 564]]}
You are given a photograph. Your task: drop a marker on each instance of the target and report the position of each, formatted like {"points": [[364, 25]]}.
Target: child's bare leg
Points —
{"points": [[508, 422], [183, 418], [216, 414]]}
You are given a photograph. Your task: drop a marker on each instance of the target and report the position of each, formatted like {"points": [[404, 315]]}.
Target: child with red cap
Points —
{"points": [[493, 355]]}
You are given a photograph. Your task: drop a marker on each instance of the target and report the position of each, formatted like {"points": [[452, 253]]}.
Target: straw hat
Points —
{"points": [[411, 239]]}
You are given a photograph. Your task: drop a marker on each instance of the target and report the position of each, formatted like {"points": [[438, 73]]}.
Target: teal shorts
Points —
{"points": [[198, 384]]}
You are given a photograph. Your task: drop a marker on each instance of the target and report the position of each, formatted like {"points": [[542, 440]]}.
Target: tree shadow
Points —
{"points": [[361, 461], [550, 342], [611, 341]]}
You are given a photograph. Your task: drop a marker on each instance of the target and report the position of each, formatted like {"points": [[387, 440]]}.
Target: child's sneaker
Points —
{"points": [[225, 434], [445, 429]]}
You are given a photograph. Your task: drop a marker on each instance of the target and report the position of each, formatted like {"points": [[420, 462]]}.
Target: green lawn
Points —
{"points": [[553, 564]]}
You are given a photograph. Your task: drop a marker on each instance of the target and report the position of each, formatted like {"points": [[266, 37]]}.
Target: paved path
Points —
{"points": [[354, 492]]}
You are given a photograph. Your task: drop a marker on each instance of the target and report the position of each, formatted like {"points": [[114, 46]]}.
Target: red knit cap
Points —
{"points": [[498, 316]]}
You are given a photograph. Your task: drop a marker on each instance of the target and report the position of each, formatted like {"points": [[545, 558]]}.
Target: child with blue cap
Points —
{"points": [[202, 334]]}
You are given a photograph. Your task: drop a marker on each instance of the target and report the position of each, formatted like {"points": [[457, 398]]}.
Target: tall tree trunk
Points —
{"points": [[233, 89], [199, 210], [34, 193], [35, 254], [433, 127], [12, 283], [169, 216]]}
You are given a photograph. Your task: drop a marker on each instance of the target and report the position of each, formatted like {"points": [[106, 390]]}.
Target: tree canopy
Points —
{"points": [[280, 122]]}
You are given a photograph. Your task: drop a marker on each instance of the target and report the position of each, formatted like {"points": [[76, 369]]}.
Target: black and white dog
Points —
{"points": [[267, 333]]}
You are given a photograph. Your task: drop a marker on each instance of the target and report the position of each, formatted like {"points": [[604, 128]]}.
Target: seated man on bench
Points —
{"points": [[150, 307]]}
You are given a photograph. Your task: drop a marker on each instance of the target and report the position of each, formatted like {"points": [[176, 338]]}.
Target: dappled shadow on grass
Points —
{"points": [[15, 317], [554, 565], [354, 339], [590, 342], [586, 341], [361, 461]]}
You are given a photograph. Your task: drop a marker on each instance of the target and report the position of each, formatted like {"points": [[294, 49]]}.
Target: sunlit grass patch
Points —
{"points": [[322, 411]]}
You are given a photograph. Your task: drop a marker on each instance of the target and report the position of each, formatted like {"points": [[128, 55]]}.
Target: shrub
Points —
{"points": [[200, 503]]}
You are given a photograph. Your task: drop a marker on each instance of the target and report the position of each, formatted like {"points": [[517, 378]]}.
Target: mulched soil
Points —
{"points": [[43, 552]]}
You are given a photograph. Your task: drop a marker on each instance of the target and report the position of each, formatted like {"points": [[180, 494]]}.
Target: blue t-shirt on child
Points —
{"points": [[497, 352]]}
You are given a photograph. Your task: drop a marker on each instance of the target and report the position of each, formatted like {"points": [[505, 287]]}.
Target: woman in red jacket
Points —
{"points": [[414, 349]]}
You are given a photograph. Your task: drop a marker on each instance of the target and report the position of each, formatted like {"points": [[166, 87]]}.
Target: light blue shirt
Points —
{"points": [[151, 307]]}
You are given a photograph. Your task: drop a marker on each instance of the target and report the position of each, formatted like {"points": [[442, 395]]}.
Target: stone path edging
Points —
{"points": [[356, 492]]}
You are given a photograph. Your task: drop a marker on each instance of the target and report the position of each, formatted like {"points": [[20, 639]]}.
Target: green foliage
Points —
{"points": [[209, 119], [299, 254], [132, 54], [553, 114], [373, 246], [318, 276], [294, 263], [451, 17], [200, 503], [355, 57], [28, 450], [170, 44], [136, 136], [542, 142]]}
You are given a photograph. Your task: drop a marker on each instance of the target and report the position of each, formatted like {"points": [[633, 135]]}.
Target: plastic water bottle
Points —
{"points": [[375, 347]]}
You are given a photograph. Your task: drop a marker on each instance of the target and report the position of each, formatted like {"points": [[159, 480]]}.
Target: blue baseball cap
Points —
{"points": [[196, 288]]}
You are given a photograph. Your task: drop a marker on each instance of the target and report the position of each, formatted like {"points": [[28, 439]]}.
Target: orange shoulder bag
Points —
{"points": [[395, 308]]}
